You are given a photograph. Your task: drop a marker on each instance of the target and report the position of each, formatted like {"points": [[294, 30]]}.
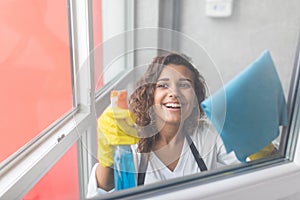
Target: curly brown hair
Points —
{"points": [[142, 99]]}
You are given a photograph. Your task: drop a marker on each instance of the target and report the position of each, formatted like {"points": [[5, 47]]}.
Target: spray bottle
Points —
{"points": [[124, 174]]}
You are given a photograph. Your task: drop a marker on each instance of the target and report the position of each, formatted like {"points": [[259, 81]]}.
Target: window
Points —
{"points": [[44, 58], [35, 70], [192, 34], [111, 51]]}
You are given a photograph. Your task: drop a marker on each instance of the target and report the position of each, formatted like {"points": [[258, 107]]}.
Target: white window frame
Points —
{"points": [[20, 174]]}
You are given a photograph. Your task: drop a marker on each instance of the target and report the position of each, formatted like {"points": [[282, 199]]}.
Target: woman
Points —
{"points": [[175, 139]]}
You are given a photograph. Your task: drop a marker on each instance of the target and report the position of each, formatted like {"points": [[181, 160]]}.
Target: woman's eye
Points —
{"points": [[162, 85], [184, 85]]}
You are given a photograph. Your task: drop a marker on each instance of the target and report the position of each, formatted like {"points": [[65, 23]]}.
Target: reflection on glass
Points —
{"points": [[221, 49], [175, 138], [35, 68]]}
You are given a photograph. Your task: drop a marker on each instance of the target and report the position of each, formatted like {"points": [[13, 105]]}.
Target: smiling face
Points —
{"points": [[168, 94], [174, 95]]}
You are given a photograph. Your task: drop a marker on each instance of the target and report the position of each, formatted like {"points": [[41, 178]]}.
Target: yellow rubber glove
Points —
{"points": [[115, 127], [266, 151]]}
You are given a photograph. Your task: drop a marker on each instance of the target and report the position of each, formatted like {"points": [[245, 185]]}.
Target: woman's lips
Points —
{"points": [[172, 106]]}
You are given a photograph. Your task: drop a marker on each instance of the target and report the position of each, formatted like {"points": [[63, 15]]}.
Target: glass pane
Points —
{"points": [[97, 29], [110, 42], [239, 42], [35, 78], [61, 182]]}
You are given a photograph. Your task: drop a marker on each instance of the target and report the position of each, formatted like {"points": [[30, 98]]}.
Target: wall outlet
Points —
{"points": [[219, 8]]}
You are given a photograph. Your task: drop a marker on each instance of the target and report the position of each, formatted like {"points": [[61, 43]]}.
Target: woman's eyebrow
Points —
{"points": [[181, 79], [163, 79], [186, 79]]}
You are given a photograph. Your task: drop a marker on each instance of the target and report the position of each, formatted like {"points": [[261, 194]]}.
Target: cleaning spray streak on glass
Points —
{"points": [[124, 174]]}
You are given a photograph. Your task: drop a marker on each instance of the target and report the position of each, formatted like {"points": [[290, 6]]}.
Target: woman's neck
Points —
{"points": [[169, 135], [168, 146]]}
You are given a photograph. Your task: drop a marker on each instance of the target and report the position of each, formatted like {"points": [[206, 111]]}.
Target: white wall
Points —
{"points": [[254, 26], [234, 42]]}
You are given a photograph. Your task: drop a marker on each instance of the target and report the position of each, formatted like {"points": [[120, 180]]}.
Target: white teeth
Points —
{"points": [[173, 105]]}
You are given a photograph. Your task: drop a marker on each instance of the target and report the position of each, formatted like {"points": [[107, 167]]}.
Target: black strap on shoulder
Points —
{"points": [[145, 157], [196, 154], [142, 168]]}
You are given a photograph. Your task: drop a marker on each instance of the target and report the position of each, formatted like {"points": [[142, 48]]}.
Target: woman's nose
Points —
{"points": [[174, 92]]}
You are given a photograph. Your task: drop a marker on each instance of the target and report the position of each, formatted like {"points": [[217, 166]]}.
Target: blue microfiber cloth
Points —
{"points": [[249, 109]]}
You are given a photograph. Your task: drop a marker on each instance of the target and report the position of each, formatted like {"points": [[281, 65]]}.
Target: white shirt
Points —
{"points": [[208, 143]]}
